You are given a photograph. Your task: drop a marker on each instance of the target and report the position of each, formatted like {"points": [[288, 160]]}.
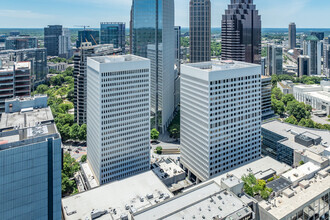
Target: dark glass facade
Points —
{"points": [[241, 32], [88, 36], [200, 30], [292, 36], [113, 33], [51, 39], [319, 35], [152, 24], [23, 42]]}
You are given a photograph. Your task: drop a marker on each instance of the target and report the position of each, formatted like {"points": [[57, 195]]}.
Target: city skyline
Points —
{"points": [[37, 14]]}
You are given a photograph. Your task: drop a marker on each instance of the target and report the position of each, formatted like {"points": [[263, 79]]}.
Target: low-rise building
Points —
{"points": [[207, 201], [307, 200], [117, 200], [317, 96], [281, 140], [57, 66], [168, 171], [286, 86]]}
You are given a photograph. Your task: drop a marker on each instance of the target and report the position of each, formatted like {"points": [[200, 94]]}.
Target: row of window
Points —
{"points": [[126, 72]]}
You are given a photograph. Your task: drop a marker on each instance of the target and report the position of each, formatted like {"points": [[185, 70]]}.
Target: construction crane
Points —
{"points": [[84, 26]]}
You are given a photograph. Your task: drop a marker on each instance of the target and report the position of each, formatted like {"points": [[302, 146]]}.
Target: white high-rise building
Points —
{"points": [[118, 116], [220, 116]]}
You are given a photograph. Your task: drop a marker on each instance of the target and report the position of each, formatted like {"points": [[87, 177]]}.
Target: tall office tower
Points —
{"points": [[319, 35], [51, 39], [30, 155], [113, 33], [37, 57], [21, 42], [80, 77], [304, 63], [305, 47], [118, 116], [266, 97], [302, 39], [326, 61], [274, 59], [263, 66], [220, 116], [153, 37], [15, 81], [177, 32], [65, 49], [57, 40], [241, 32], [87, 35], [131, 32], [314, 52], [200, 30], [292, 35]]}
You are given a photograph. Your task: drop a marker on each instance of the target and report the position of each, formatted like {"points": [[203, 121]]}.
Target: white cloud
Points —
{"points": [[22, 14]]}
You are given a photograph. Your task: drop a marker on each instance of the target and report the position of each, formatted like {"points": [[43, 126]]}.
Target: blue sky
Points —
{"points": [[40, 13]]}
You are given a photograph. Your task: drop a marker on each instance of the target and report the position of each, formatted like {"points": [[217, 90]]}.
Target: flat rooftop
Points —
{"points": [[220, 65], [301, 172], [203, 202], [27, 119], [262, 164], [167, 169], [117, 59], [301, 197], [19, 137], [322, 95], [117, 198], [289, 131], [279, 184]]}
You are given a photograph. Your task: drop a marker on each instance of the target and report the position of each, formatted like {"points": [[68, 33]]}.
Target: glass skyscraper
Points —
{"points": [[241, 32], [113, 33], [292, 35], [152, 36], [200, 30]]}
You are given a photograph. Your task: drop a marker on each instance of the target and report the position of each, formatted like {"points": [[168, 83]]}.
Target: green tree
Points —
{"points": [[65, 132], [154, 134], [83, 159], [175, 133], [298, 110], [74, 131], [70, 167], [42, 89], [277, 93], [159, 150], [82, 135], [287, 98], [278, 106], [291, 120]]}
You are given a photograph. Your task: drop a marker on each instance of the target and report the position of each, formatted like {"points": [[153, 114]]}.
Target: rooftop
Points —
{"points": [[117, 59], [301, 172], [262, 165], [278, 184], [167, 169], [117, 198], [10, 138], [289, 131], [26, 118], [220, 65], [203, 202], [297, 198]]}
